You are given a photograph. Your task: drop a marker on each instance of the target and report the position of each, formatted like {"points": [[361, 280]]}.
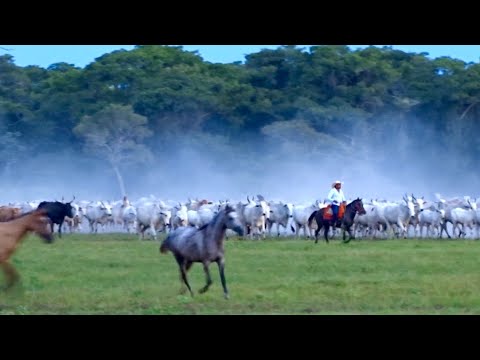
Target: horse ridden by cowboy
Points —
{"points": [[336, 199]]}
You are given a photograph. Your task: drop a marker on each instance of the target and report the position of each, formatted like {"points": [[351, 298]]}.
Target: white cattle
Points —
{"points": [[418, 205], [280, 214], [129, 217], [117, 212], [194, 218], [196, 204], [153, 217], [202, 216], [368, 222], [399, 215], [75, 224], [255, 215], [462, 216], [98, 213], [25, 206], [430, 217], [477, 220], [300, 215], [447, 206], [179, 216]]}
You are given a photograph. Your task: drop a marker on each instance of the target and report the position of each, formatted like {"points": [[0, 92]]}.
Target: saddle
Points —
{"points": [[328, 213]]}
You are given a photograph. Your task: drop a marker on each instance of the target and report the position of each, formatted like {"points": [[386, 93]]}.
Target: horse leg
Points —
{"points": [[208, 277], [11, 275], [221, 269], [350, 235], [326, 225], [184, 267], [319, 227]]}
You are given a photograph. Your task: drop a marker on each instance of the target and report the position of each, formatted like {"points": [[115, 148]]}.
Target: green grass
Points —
{"points": [[118, 274]]}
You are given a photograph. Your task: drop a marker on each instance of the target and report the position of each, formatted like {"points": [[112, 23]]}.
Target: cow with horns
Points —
{"points": [[56, 212]]}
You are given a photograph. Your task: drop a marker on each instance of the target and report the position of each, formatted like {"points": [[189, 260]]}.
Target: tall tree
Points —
{"points": [[115, 134], [12, 149]]}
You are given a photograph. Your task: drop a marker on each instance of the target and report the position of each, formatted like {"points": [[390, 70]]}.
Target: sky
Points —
{"points": [[82, 55]]}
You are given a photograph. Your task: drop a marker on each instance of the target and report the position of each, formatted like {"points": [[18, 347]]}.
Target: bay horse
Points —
{"points": [[13, 232], [205, 245], [356, 206]]}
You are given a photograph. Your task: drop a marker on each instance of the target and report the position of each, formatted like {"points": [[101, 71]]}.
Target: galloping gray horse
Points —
{"points": [[204, 245]]}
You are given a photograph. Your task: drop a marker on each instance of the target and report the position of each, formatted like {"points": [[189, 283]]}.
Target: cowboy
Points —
{"points": [[335, 197]]}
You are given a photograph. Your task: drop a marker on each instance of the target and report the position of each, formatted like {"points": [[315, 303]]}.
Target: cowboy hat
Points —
{"points": [[337, 182]]}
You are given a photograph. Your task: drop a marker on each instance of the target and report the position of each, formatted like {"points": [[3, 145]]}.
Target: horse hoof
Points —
{"points": [[226, 296], [8, 287]]}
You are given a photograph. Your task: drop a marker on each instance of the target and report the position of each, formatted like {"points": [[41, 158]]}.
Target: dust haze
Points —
{"points": [[296, 165]]}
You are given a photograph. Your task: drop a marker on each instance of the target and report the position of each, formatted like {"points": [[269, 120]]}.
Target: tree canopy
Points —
{"points": [[132, 104]]}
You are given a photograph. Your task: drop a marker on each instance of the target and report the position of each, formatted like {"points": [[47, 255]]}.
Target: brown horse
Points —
{"points": [[13, 232]]}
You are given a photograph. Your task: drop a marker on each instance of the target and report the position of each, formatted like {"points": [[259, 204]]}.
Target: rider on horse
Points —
{"points": [[336, 197]]}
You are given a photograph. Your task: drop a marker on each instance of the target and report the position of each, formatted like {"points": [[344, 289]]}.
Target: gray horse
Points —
{"points": [[189, 245]]}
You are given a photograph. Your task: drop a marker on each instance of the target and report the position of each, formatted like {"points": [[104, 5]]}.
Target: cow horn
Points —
{"points": [[72, 199]]}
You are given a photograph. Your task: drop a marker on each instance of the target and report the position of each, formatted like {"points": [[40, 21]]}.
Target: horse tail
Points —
{"points": [[310, 219]]}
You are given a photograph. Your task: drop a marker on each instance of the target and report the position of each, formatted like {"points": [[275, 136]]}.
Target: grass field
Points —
{"points": [[118, 274]]}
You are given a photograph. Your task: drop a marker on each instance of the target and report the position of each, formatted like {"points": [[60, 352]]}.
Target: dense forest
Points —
{"points": [[158, 113]]}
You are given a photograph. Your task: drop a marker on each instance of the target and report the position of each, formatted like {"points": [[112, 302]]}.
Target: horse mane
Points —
{"points": [[228, 209], [194, 245], [23, 215], [353, 201], [205, 226]]}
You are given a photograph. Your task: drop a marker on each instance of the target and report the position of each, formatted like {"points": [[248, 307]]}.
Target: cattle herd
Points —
{"points": [[409, 217]]}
